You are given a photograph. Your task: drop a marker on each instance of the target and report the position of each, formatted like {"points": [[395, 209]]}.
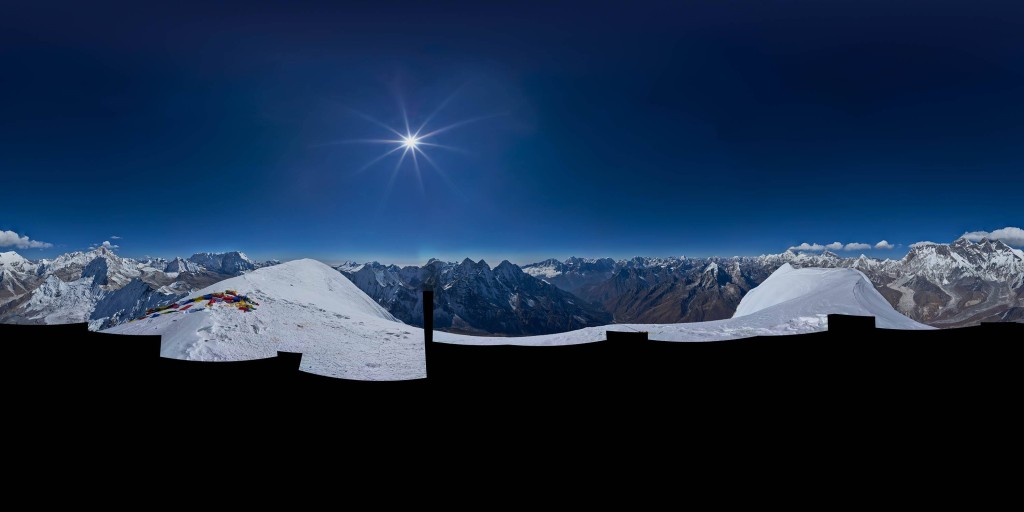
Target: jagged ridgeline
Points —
{"points": [[944, 285], [104, 289], [473, 298]]}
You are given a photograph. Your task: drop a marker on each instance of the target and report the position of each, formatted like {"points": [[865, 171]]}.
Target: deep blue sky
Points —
{"points": [[616, 129]]}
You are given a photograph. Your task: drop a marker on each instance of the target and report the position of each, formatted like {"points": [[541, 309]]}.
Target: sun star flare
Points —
{"points": [[410, 141]]}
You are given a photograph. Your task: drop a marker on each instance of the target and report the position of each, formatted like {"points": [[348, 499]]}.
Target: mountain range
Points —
{"points": [[471, 297], [943, 285], [102, 288]]}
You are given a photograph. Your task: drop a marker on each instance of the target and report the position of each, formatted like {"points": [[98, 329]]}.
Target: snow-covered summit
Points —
{"points": [[546, 269], [304, 306], [794, 293], [181, 265], [349, 266], [11, 258], [985, 259], [224, 263]]}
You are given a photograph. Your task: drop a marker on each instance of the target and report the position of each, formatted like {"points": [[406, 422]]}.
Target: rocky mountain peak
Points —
{"points": [[224, 263], [507, 271], [180, 265], [961, 242]]}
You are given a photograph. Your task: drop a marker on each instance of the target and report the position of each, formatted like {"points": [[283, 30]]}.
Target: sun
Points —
{"points": [[410, 145], [410, 141]]}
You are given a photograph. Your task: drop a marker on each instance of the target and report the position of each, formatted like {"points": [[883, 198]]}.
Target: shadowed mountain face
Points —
{"points": [[665, 291], [471, 297]]}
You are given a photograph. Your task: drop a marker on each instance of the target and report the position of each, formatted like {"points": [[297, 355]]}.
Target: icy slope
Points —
{"points": [[809, 291], [305, 306]]}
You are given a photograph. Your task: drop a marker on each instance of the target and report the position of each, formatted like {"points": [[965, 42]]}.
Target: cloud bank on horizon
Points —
{"points": [[12, 239], [1012, 236], [1008, 235], [839, 246]]}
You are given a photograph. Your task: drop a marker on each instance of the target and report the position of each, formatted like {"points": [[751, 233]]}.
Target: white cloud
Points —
{"points": [[884, 245], [834, 246], [10, 238], [115, 237], [921, 244], [1008, 235], [106, 245], [807, 247]]}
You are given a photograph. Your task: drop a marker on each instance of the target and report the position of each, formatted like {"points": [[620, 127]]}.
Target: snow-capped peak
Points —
{"points": [[791, 293], [226, 263], [304, 306], [546, 269], [10, 258], [180, 265], [349, 266]]}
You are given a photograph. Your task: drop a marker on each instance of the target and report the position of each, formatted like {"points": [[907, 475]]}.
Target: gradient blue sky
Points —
{"points": [[614, 129]]}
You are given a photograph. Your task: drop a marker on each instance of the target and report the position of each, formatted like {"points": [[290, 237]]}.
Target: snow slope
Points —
{"points": [[306, 306], [809, 291], [59, 302], [11, 258]]}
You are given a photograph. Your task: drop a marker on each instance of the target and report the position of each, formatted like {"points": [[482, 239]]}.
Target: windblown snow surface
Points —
{"points": [[305, 306], [308, 307]]}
